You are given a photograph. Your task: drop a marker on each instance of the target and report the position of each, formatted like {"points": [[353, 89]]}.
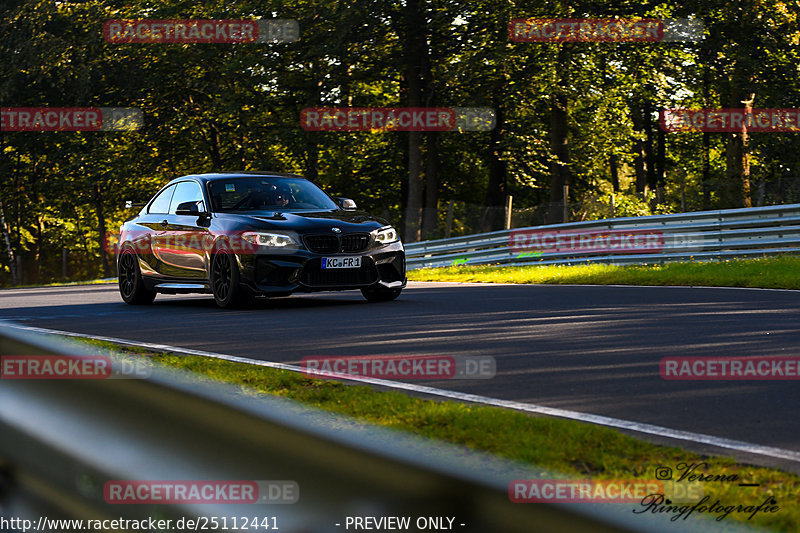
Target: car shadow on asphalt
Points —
{"points": [[288, 302]]}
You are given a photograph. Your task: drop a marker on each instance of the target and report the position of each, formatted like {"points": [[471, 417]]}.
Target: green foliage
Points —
{"points": [[218, 106], [633, 205]]}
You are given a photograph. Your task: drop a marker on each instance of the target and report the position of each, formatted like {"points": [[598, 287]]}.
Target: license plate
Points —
{"points": [[341, 262]]}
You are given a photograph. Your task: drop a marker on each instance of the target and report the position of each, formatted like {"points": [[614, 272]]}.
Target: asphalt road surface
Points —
{"points": [[588, 349]]}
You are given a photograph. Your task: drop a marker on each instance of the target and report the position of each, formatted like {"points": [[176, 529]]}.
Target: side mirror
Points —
{"points": [[347, 203], [189, 209]]}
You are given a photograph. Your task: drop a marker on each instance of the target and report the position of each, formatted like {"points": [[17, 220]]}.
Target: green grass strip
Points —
{"points": [[578, 450], [771, 272]]}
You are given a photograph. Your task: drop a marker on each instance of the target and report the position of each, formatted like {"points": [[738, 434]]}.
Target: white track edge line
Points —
{"points": [[649, 429]]}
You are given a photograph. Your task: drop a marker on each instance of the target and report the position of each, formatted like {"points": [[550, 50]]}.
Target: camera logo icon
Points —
{"points": [[663, 473]]}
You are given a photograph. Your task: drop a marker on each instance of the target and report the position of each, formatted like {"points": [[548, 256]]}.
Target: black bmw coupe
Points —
{"points": [[244, 235]]}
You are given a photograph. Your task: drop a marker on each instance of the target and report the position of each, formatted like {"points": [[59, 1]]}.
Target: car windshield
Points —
{"points": [[267, 194]]}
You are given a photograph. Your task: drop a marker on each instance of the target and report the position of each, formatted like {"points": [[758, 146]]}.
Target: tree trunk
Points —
{"points": [[311, 143], [495, 198], [415, 49], [312, 158], [101, 227], [37, 255], [706, 148], [650, 157], [414, 191], [559, 140], [762, 189], [431, 212], [612, 163], [640, 157], [216, 157], [36, 198], [660, 165], [10, 251], [706, 171], [18, 212], [559, 168], [746, 198], [6, 237], [242, 141], [737, 166], [86, 254]]}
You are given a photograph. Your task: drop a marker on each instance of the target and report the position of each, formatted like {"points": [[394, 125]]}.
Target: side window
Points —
{"points": [[186, 191], [161, 203]]}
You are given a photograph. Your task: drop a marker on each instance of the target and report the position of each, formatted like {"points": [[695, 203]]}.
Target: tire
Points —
{"points": [[380, 295], [131, 284], [224, 278]]}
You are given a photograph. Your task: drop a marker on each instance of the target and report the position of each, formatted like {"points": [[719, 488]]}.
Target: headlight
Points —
{"points": [[386, 235], [271, 240]]}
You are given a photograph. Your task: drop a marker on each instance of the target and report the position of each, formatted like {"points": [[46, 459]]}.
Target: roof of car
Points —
{"points": [[238, 174]]}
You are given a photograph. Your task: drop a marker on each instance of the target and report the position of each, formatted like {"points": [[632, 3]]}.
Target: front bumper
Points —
{"points": [[276, 274]]}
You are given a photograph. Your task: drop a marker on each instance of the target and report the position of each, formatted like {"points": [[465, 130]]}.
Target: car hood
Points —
{"points": [[307, 221]]}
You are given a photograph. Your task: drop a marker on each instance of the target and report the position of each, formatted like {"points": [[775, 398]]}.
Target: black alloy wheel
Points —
{"points": [[131, 284], [228, 293]]}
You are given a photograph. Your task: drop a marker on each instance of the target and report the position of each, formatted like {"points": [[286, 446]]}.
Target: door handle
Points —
{"points": [[164, 223]]}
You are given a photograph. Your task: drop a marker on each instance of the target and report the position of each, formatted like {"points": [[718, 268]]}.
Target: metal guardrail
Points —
{"points": [[702, 236], [61, 440]]}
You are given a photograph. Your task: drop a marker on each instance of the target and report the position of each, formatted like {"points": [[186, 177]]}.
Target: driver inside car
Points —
{"points": [[280, 195]]}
